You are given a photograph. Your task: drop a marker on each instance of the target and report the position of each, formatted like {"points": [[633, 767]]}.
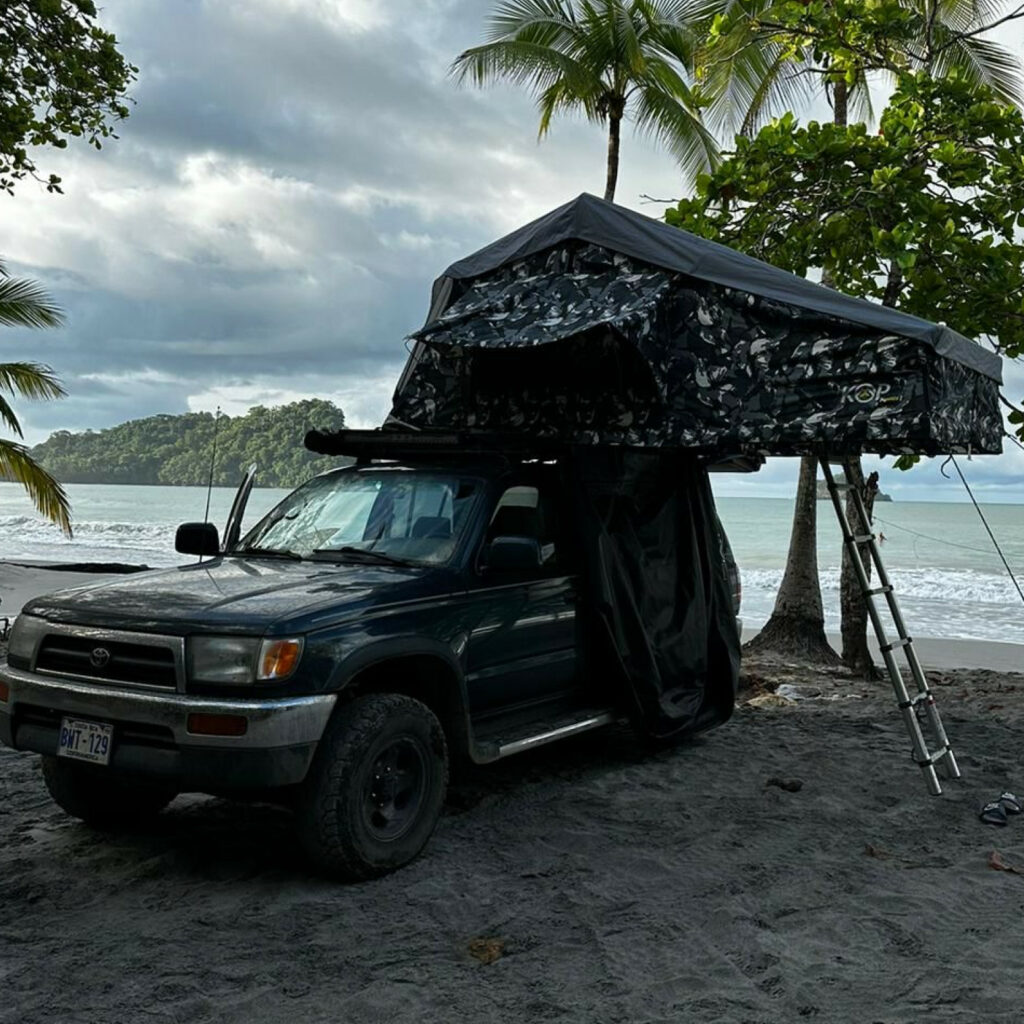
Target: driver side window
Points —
{"points": [[524, 511]]}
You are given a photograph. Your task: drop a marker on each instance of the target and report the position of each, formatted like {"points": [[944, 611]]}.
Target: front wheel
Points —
{"points": [[100, 797], [376, 787]]}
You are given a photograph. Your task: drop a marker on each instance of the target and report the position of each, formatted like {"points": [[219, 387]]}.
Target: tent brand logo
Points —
{"points": [[870, 394]]}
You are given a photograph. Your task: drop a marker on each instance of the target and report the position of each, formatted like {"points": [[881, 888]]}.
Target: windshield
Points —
{"points": [[395, 515]]}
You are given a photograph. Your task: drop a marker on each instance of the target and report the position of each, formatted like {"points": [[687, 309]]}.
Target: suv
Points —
{"points": [[382, 618]]}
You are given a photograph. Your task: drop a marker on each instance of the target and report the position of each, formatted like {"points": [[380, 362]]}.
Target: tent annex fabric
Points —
{"points": [[598, 325]]}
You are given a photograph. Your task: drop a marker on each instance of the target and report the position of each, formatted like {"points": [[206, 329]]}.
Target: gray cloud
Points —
{"points": [[294, 175]]}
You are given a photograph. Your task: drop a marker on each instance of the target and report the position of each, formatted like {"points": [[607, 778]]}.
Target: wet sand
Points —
{"points": [[787, 866]]}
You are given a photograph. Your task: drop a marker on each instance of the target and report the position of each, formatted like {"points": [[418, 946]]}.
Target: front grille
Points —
{"points": [[113, 660]]}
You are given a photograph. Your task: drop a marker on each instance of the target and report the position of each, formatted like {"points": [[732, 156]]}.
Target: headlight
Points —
{"points": [[22, 641], [241, 660]]}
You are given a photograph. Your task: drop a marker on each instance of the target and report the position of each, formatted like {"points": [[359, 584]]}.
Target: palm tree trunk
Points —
{"points": [[840, 103], [797, 624], [614, 130], [853, 607]]}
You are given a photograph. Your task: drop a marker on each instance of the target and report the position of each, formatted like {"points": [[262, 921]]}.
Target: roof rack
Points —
{"points": [[404, 445]]}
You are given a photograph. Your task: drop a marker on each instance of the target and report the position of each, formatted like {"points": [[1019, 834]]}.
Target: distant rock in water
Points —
{"points": [[841, 483]]}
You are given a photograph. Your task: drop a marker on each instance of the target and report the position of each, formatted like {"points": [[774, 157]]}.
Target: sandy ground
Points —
{"points": [[618, 885], [20, 583]]}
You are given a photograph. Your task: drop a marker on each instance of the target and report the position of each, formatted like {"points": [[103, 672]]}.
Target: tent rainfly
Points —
{"points": [[595, 324]]}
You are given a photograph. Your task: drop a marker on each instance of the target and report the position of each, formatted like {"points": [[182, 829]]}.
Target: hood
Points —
{"points": [[255, 595]]}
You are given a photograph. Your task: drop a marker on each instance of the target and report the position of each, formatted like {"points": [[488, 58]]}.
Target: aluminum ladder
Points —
{"points": [[921, 706]]}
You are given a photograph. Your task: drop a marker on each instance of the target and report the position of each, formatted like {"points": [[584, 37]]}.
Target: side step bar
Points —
{"points": [[560, 732], [514, 737]]}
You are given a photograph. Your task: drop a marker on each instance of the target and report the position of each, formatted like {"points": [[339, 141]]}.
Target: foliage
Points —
{"points": [[176, 450], [24, 304], [609, 59], [61, 77], [925, 215], [765, 56]]}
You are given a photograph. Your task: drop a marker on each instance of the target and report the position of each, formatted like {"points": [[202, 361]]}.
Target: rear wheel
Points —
{"points": [[375, 791], [100, 797]]}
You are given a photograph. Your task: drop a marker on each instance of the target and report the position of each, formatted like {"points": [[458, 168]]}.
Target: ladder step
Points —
{"points": [[933, 757], [902, 642], [924, 697], [862, 544]]}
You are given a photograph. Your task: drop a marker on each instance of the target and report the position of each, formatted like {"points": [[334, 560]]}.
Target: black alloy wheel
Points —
{"points": [[397, 786]]}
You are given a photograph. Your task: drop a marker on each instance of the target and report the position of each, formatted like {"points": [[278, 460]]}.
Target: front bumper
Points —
{"points": [[151, 734]]}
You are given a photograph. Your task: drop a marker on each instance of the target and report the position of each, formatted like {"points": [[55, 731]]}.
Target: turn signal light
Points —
{"points": [[217, 725], [5, 693], [278, 658]]}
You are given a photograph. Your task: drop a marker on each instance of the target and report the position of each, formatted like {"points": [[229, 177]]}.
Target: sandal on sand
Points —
{"points": [[993, 813], [1010, 803]]}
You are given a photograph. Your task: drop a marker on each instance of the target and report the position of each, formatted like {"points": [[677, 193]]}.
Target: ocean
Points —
{"points": [[948, 576]]}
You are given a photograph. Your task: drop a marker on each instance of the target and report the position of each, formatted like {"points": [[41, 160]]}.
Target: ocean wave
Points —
{"points": [[39, 529], [972, 586]]}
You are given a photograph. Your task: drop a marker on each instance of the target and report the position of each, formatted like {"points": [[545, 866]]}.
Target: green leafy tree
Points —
{"points": [[61, 77], [608, 59], [24, 304], [924, 216], [762, 57]]}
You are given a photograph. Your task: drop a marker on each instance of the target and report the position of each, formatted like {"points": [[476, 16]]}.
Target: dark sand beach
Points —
{"points": [[789, 865]]}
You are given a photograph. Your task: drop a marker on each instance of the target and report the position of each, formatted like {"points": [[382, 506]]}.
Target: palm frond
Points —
{"points": [[8, 417], [660, 115], [982, 62], [859, 102], [960, 15], [785, 85], [538, 20], [46, 493], [25, 304], [32, 380], [527, 64]]}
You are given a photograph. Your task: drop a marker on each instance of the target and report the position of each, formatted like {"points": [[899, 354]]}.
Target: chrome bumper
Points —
{"points": [[285, 722]]}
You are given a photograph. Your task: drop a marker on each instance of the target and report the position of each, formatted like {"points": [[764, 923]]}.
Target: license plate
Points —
{"points": [[85, 741]]}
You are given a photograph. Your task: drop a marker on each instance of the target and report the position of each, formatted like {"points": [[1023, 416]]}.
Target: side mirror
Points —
{"points": [[513, 554], [197, 539]]}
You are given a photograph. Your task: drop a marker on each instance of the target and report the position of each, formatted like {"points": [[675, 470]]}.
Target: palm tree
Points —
{"points": [[609, 59], [24, 304], [754, 77]]}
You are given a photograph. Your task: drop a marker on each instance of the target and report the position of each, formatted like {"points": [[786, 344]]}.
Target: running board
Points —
{"points": [[560, 732], [519, 737]]}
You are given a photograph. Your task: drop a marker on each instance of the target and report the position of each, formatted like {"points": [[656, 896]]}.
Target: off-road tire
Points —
{"points": [[100, 797], [338, 814]]}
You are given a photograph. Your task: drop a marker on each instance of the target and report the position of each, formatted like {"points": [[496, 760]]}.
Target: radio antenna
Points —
{"points": [[213, 458]]}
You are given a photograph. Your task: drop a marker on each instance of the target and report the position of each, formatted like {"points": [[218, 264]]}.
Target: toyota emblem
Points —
{"points": [[99, 658]]}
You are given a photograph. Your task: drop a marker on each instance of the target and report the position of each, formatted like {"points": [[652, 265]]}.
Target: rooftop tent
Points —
{"points": [[596, 324], [639, 350]]}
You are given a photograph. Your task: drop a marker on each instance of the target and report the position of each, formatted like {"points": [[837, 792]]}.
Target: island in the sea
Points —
{"points": [[178, 450]]}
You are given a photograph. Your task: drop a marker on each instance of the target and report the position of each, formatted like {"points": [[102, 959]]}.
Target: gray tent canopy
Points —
{"points": [[595, 324]]}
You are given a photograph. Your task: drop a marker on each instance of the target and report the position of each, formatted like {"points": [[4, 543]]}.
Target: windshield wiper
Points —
{"points": [[268, 552], [379, 556]]}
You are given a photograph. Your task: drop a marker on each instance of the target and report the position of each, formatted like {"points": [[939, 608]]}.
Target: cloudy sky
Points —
{"points": [[293, 176]]}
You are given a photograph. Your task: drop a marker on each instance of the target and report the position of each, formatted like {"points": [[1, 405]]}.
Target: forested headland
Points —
{"points": [[176, 450]]}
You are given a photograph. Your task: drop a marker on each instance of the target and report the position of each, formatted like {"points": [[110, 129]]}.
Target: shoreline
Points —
{"points": [[21, 581]]}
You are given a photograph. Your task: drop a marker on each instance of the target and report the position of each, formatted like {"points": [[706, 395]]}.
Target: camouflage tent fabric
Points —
{"points": [[584, 343]]}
